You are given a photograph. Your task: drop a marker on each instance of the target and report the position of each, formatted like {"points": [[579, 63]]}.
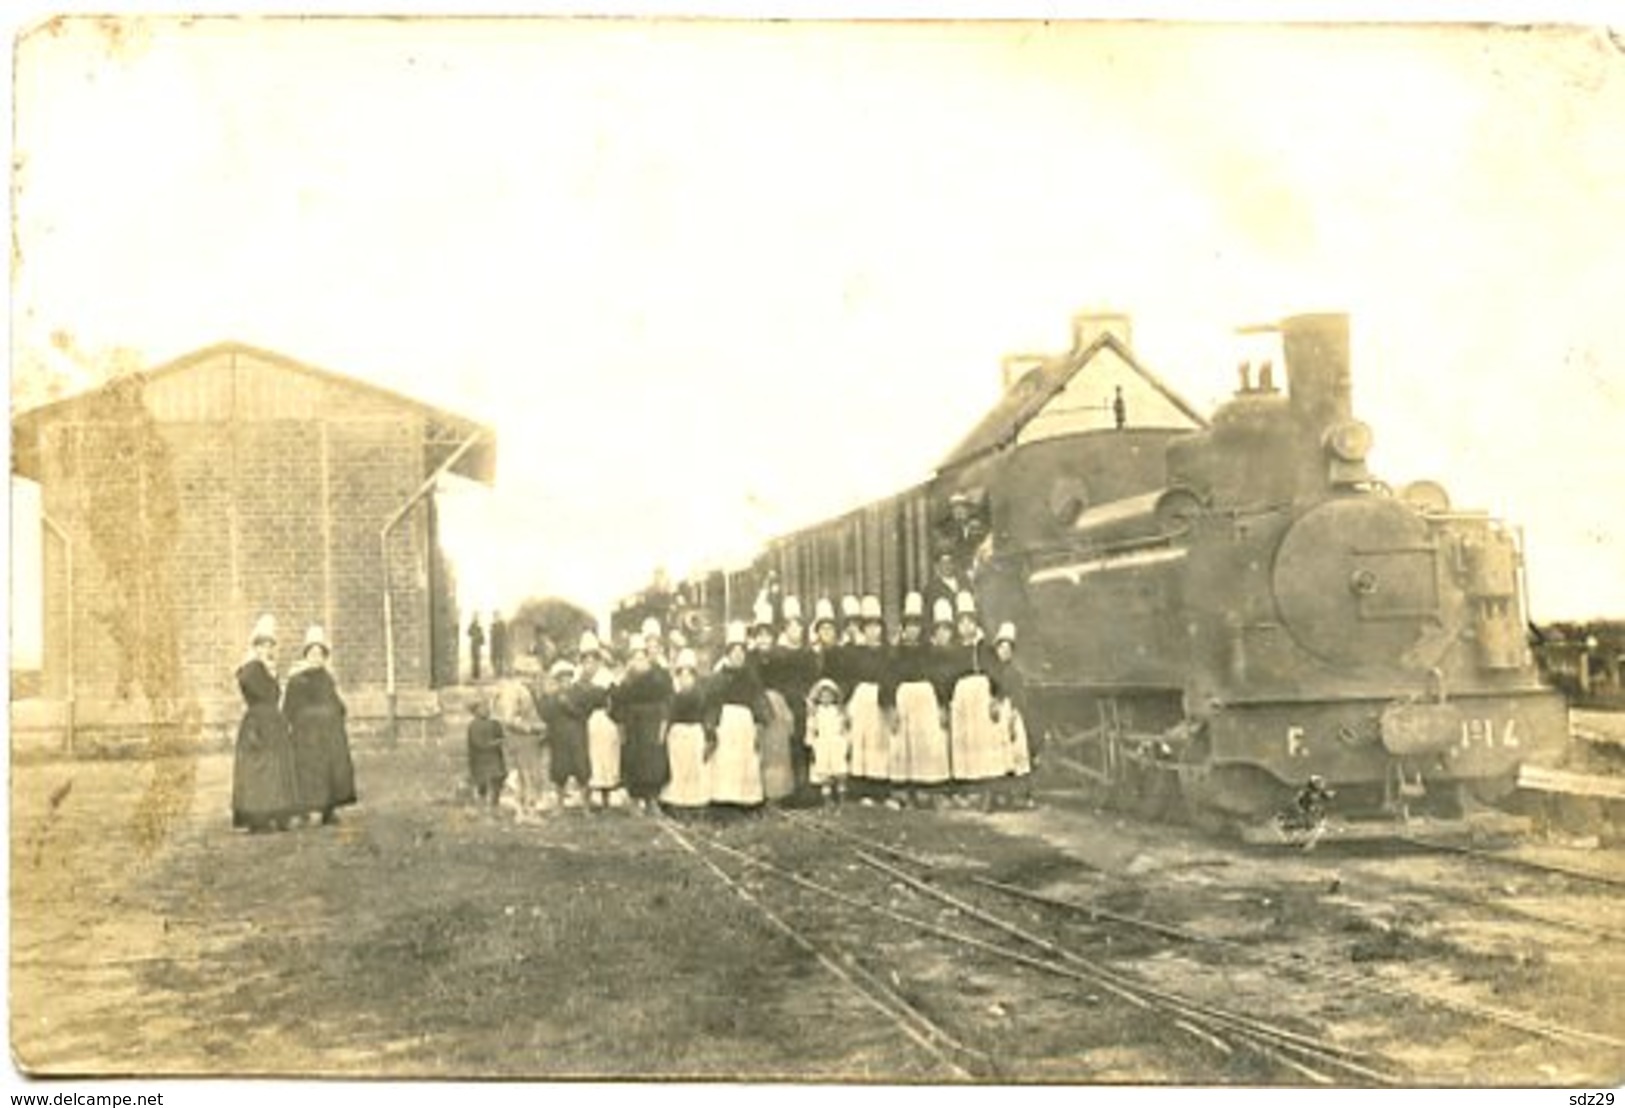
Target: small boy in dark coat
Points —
{"points": [[486, 764]]}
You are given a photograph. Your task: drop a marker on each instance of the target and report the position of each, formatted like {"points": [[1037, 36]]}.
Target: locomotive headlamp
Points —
{"points": [[1350, 441]]}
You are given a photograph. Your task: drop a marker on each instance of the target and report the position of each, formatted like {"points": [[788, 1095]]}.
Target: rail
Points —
{"points": [[917, 1026], [1211, 1024], [1486, 1013]]}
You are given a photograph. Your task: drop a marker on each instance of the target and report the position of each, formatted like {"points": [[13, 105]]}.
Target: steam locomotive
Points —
{"points": [[1215, 612]]}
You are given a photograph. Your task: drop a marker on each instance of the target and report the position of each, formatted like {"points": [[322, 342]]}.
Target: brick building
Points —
{"points": [[181, 502]]}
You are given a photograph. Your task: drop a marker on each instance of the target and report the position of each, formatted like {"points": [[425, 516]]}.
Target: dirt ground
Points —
{"points": [[425, 937]]}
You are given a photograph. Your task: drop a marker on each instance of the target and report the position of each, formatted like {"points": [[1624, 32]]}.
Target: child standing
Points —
{"points": [[827, 739], [486, 765]]}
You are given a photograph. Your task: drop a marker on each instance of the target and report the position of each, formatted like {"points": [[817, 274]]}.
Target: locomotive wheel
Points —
{"points": [[1210, 820], [1151, 791], [1196, 792], [1220, 799], [1490, 791]]}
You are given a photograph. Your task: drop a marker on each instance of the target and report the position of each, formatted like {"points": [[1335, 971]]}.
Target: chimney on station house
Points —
{"points": [[1013, 367], [1087, 327]]}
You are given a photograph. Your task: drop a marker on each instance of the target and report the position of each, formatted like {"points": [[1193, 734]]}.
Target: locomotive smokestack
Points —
{"points": [[1317, 366]]}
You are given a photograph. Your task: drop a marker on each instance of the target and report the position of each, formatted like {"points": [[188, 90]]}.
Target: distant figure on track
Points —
{"points": [[1305, 822], [264, 782]]}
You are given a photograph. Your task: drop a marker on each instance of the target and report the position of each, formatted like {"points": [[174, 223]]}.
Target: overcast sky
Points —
{"points": [[709, 281]]}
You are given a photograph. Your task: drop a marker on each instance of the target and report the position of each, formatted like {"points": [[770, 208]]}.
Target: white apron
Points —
{"points": [[736, 768], [1021, 757], [979, 744], [604, 751], [922, 745], [774, 739], [690, 784], [870, 737]]}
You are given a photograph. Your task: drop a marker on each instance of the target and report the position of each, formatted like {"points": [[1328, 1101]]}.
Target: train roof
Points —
{"points": [[1025, 399]]}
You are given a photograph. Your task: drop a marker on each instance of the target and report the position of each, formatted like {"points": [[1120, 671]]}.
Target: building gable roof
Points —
{"points": [[1023, 400], [445, 431]]}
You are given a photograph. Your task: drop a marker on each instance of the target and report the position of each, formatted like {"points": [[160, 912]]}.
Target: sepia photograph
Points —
{"points": [[817, 552]]}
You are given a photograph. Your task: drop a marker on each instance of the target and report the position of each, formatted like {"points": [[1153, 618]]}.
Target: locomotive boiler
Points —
{"points": [[1272, 613]]}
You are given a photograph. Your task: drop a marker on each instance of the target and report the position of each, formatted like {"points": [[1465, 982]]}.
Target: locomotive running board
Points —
{"points": [[1542, 780], [1269, 833]]}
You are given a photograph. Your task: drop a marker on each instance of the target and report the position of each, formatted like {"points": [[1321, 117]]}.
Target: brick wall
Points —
{"points": [[186, 527]]}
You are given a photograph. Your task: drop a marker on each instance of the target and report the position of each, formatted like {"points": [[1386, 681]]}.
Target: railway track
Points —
{"points": [[1293, 966], [958, 1060], [1489, 857], [1216, 1028], [1512, 861]]}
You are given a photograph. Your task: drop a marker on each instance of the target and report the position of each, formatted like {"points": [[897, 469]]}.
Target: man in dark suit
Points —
{"points": [[948, 579], [962, 533]]}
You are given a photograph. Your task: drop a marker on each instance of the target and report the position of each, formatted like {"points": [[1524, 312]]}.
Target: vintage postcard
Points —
{"points": [[818, 551]]}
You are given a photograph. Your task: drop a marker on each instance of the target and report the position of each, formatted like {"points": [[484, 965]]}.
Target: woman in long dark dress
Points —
{"points": [[264, 789], [640, 704], [564, 709], [321, 747]]}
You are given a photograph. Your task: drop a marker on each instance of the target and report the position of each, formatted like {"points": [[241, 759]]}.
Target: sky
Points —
{"points": [[709, 281]]}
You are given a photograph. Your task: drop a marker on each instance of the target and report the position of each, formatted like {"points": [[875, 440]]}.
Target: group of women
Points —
{"points": [[930, 714], [293, 753]]}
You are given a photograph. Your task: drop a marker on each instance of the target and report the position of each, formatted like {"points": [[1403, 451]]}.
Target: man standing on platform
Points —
{"points": [[476, 644], [499, 645]]}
